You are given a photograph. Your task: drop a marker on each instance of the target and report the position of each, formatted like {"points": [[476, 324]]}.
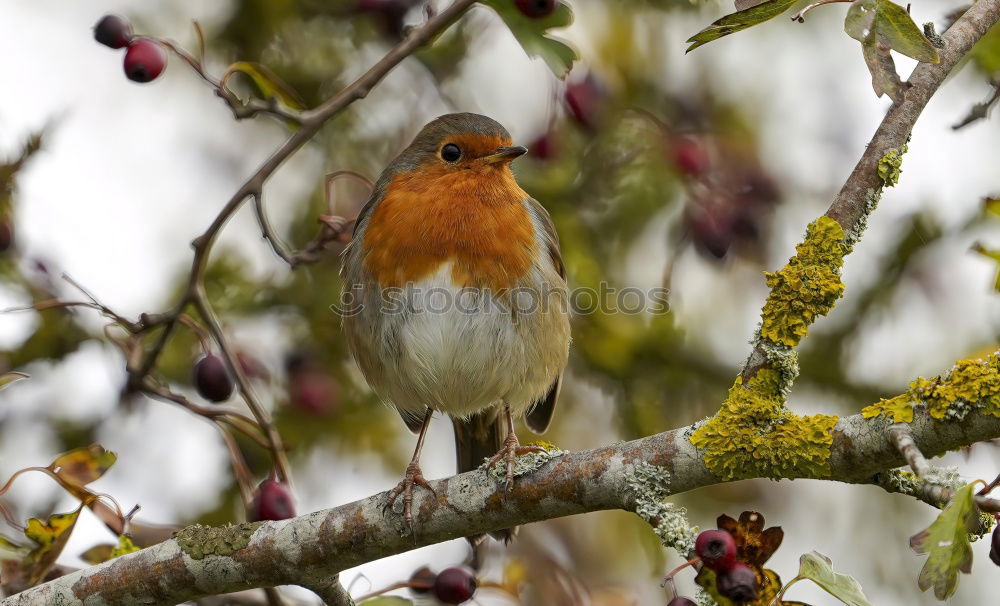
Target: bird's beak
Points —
{"points": [[506, 154]]}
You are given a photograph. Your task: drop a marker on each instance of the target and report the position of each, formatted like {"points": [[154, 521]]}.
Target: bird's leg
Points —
{"points": [[413, 476], [510, 450]]}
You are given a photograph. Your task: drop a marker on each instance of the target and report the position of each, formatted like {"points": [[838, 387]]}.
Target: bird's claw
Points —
{"points": [[509, 451], [413, 477]]}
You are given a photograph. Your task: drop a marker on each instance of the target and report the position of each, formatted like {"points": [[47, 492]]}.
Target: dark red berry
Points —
{"points": [[586, 100], [739, 583], [144, 60], [536, 8], [6, 235], [422, 580], [114, 31], [690, 156], [271, 501], [716, 548], [212, 378], [680, 601], [455, 585], [995, 546], [252, 367], [711, 229], [544, 147]]}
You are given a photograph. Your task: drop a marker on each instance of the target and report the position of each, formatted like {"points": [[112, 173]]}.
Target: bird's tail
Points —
{"points": [[476, 438]]}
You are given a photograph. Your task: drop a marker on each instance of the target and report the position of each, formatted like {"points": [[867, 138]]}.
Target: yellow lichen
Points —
{"points": [[807, 287], [899, 408], [890, 166], [972, 385], [754, 435]]}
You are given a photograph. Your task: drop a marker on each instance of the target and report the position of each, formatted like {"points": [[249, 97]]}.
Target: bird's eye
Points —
{"points": [[451, 153]]}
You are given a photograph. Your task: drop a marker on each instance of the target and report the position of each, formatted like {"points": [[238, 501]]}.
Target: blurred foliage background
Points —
{"points": [[659, 169]]}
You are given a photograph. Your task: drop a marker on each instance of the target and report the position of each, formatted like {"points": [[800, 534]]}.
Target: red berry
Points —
{"points": [[716, 548], [271, 501], [455, 585], [6, 235], [739, 583], [995, 546], [212, 378], [690, 156], [114, 31], [144, 60], [252, 367], [679, 601], [585, 100], [711, 229], [422, 580], [544, 148], [536, 8]]}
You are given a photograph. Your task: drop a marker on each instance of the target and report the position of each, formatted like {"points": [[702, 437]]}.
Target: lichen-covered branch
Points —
{"points": [[878, 167], [634, 476]]}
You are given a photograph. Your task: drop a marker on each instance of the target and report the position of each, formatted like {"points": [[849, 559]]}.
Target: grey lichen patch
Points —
{"points": [[201, 541], [784, 360], [704, 598], [853, 234], [650, 485], [523, 464]]}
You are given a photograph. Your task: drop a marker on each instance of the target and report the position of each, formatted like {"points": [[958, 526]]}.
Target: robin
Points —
{"points": [[460, 299]]}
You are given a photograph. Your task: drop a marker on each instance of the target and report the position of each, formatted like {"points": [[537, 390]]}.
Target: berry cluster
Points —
{"points": [[145, 58], [733, 579], [455, 585]]}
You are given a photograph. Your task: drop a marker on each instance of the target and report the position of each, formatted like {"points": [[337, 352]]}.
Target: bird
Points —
{"points": [[459, 296]]}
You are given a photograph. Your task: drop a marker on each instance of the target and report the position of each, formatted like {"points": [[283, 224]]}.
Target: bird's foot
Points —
{"points": [[413, 477], [509, 451]]}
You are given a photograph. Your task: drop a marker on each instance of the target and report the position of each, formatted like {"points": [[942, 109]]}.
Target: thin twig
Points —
{"points": [[800, 16], [980, 111]]}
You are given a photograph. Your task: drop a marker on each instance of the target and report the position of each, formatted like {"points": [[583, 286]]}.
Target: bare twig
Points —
{"points": [[980, 111], [800, 16]]}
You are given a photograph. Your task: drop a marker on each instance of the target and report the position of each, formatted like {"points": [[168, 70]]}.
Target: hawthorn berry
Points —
{"points": [[711, 228], [455, 585], [114, 31], [995, 546], [717, 549], [738, 583], [536, 8], [6, 235], [212, 378], [690, 156], [586, 100], [144, 60], [422, 580], [271, 501], [544, 147], [681, 601]]}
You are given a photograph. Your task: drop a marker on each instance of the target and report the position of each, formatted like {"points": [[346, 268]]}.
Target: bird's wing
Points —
{"points": [[540, 415]]}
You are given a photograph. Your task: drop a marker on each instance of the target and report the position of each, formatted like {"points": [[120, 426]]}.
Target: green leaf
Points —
{"points": [[267, 82], [10, 550], [9, 377], [98, 553], [990, 254], [50, 536], [739, 21], [819, 569], [81, 466], [992, 206], [946, 542], [881, 26], [531, 33], [894, 24]]}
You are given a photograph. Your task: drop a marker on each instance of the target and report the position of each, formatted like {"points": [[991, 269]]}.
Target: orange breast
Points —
{"points": [[474, 218]]}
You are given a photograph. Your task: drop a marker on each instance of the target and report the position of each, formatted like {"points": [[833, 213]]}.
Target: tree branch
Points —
{"points": [[861, 191], [311, 549]]}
